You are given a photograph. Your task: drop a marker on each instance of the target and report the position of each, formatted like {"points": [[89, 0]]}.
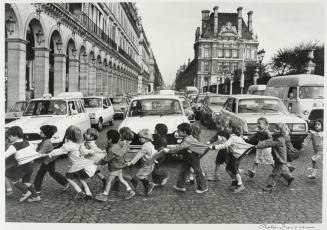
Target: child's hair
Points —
{"points": [[93, 133], [113, 135], [15, 131], [321, 122], [222, 121], [185, 127], [282, 128], [263, 119], [196, 130], [162, 129], [237, 129], [74, 134], [146, 134], [126, 134], [48, 130]]}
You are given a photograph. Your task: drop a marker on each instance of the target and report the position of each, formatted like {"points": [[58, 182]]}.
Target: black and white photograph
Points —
{"points": [[160, 113]]}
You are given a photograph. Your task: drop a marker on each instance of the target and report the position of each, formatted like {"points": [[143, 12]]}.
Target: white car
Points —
{"points": [[100, 110], [147, 111], [246, 109], [16, 111], [61, 111]]}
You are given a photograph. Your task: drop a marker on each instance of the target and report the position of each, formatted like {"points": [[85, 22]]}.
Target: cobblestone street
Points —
{"points": [[299, 203]]}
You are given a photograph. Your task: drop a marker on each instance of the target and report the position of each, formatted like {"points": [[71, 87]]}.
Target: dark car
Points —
{"points": [[120, 106], [211, 107], [196, 105]]}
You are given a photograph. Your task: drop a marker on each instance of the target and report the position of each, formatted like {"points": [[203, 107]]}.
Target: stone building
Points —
{"points": [[223, 44], [56, 47]]}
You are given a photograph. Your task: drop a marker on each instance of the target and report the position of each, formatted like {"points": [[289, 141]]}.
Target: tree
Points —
{"points": [[292, 60]]}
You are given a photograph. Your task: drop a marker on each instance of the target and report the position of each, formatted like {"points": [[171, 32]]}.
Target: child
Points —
{"points": [[191, 149], [8, 164], [159, 175], [17, 172], [223, 134], [279, 152], [263, 156], [316, 138], [196, 131], [237, 147], [89, 149], [116, 164], [81, 168], [292, 153], [145, 155], [45, 147]]}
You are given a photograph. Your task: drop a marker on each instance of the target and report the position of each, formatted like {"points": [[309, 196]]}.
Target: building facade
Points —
{"points": [[58, 47], [223, 44]]}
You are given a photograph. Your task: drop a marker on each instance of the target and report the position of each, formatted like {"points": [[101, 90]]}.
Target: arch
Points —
{"points": [[11, 10], [91, 56], [70, 45], [37, 25], [80, 52], [68, 41], [55, 36], [59, 35]]}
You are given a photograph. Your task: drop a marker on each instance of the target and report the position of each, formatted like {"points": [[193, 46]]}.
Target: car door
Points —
{"points": [[82, 118], [229, 109], [110, 109]]}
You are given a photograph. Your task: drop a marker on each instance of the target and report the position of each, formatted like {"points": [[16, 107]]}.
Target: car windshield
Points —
{"points": [[185, 103], [200, 99], [150, 107], [46, 107], [261, 105], [119, 100], [217, 100], [92, 102], [311, 92], [18, 107]]}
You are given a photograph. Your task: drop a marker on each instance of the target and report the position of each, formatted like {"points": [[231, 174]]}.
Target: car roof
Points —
{"points": [[258, 87], [296, 80], [95, 97], [251, 96], [156, 96]]}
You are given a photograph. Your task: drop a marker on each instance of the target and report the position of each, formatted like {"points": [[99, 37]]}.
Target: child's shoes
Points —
{"points": [[130, 194], [101, 197], [239, 188]]}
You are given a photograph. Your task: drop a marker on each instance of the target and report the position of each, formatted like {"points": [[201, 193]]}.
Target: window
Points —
{"points": [[235, 53], [227, 54], [230, 105], [205, 52], [220, 53], [220, 67], [206, 66]]}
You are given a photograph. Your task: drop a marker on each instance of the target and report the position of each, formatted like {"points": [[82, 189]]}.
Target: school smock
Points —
{"points": [[317, 139]]}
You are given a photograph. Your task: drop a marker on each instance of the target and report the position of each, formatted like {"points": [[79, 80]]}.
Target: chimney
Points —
{"points": [[215, 22], [205, 18], [239, 21], [250, 21]]}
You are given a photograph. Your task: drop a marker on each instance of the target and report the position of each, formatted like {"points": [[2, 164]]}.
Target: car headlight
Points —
{"points": [[92, 115], [252, 127], [298, 127]]}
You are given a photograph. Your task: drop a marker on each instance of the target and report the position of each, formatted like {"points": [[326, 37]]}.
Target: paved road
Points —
{"points": [[299, 203]]}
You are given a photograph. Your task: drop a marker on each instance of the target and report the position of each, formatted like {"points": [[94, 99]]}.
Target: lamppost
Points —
{"points": [[261, 54]]}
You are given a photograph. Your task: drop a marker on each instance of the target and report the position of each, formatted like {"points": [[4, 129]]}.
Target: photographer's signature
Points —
{"points": [[284, 227]]}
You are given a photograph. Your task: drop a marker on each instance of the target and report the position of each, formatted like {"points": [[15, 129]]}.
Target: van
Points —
{"points": [[257, 89], [300, 93]]}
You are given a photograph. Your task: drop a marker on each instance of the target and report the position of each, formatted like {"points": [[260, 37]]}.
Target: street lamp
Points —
{"points": [[39, 37], [10, 24], [74, 51], [261, 54], [59, 45]]}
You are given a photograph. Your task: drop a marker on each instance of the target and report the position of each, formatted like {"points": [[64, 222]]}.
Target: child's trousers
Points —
{"points": [[280, 169], [191, 160]]}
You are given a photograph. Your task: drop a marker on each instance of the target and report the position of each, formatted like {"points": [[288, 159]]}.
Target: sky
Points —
{"points": [[170, 26]]}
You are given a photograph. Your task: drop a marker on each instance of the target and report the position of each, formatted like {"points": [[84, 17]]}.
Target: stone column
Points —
{"points": [[105, 82], [73, 75], [16, 70], [83, 78], [110, 82], [92, 80], [99, 81], [59, 73], [41, 71]]}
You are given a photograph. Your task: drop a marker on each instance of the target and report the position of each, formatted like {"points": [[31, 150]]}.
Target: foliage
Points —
{"points": [[292, 60]]}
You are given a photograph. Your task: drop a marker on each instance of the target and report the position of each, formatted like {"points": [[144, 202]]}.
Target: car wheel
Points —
{"points": [[100, 125], [111, 123]]}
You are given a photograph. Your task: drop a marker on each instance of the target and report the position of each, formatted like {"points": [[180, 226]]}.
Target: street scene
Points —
{"points": [[114, 114]]}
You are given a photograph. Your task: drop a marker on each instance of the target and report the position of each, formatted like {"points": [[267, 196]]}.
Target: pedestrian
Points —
{"points": [[316, 137], [292, 153], [279, 152], [116, 163], [191, 149], [237, 146], [45, 147], [81, 168], [159, 175], [147, 164], [19, 174], [223, 134], [263, 156], [91, 151]]}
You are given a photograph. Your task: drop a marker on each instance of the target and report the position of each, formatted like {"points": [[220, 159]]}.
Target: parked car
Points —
{"points": [[15, 111], [196, 105], [62, 111], [100, 110], [257, 89], [120, 107], [246, 109], [149, 110], [211, 107], [187, 108]]}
